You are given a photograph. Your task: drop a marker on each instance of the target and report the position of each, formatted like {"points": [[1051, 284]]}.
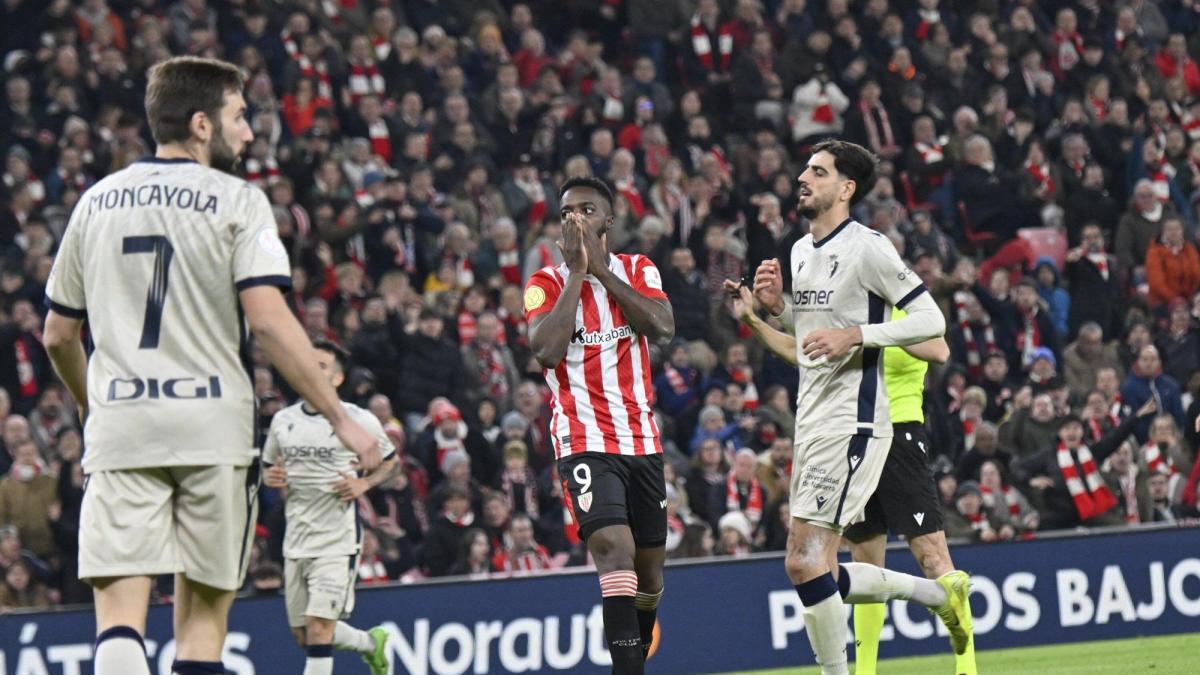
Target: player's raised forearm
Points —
{"points": [[648, 316], [930, 351], [384, 472], [63, 346], [924, 322], [289, 349], [780, 343], [550, 334]]}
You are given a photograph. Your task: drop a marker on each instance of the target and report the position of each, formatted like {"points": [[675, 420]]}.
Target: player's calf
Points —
{"points": [[318, 647], [613, 550]]}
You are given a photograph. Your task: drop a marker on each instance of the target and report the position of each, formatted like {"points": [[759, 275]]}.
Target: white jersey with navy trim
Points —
{"points": [[852, 277], [154, 256], [318, 522]]}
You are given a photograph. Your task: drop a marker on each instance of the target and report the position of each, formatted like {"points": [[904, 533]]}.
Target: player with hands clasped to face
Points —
{"points": [[846, 279], [324, 538], [174, 263], [590, 322]]}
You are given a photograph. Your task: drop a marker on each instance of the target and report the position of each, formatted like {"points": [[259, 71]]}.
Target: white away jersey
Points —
{"points": [[602, 397], [154, 256], [853, 277], [318, 523]]}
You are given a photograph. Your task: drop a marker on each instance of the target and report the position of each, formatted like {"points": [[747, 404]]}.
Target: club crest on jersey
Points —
{"points": [[585, 501]]}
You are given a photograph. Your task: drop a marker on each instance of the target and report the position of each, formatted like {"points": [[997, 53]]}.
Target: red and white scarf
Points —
{"points": [[372, 571], [745, 377], [536, 193], [675, 379], [364, 79], [1097, 428], [974, 358], [26, 377], [979, 522], [1069, 48], [321, 72], [381, 139], [702, 45], [1041, 174], [931, 153], [493, 374], [262, 173], [1010, 500], [525, 481], [333, 10], [1160, 180], [290, 44], [877, 131], [628, 189], [1191, 126], [382, 46], [1093, 498], [928, 19], [510, 265], [1158, 461], [1100, 260], [733, 501]]}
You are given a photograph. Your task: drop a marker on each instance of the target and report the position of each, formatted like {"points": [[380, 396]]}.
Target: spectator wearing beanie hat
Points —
{"points": [[970, 520], [447, 432]]}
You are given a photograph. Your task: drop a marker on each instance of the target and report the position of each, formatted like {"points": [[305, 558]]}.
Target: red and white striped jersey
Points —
{"points": [[601, 390]]}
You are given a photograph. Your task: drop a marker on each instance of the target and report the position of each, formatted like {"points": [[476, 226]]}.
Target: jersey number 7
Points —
{"points": [[157, 294]]}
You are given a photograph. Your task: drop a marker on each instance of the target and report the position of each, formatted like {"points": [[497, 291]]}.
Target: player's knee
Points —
{"points": [[805, 561], [610, 551], [298, 634], [797, 569]]}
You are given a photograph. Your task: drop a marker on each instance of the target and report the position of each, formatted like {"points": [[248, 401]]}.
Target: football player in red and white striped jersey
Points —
{"points": [[590, 322]]}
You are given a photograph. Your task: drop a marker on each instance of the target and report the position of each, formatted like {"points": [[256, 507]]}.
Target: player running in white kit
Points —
{"points": [[324, 535]]}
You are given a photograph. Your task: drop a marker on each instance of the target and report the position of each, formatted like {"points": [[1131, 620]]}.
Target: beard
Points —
{"points": [[220, 155], [814, 207]]}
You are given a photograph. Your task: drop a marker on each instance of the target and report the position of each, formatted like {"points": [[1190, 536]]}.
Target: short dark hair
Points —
{"points": [[183, 86], [339, 354], [589, 182], [852, 161]]}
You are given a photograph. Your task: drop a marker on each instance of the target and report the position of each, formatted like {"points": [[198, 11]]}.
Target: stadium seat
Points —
{"points": [[910, 196], [1045, 241], [982, 242]]}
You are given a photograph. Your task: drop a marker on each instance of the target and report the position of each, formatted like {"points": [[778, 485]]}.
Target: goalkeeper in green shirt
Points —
{"points": [[906, 500]]}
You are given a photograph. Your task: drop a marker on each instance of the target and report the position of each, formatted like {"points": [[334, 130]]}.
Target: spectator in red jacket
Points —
{"points": [[1173, 60]]}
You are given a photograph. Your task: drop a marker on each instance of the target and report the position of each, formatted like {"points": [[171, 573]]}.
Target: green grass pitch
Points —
{"points": [[1166, 655]]}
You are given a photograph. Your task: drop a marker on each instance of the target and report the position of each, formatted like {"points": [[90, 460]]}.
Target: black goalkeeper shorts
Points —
{"points": [[906, 500]]}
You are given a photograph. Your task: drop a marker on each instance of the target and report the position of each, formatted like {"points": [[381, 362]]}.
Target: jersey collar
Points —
{"points": [[831, 235], [151, 159]]}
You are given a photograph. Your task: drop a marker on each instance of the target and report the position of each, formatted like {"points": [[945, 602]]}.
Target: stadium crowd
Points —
{"points": [[412, 150]]}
